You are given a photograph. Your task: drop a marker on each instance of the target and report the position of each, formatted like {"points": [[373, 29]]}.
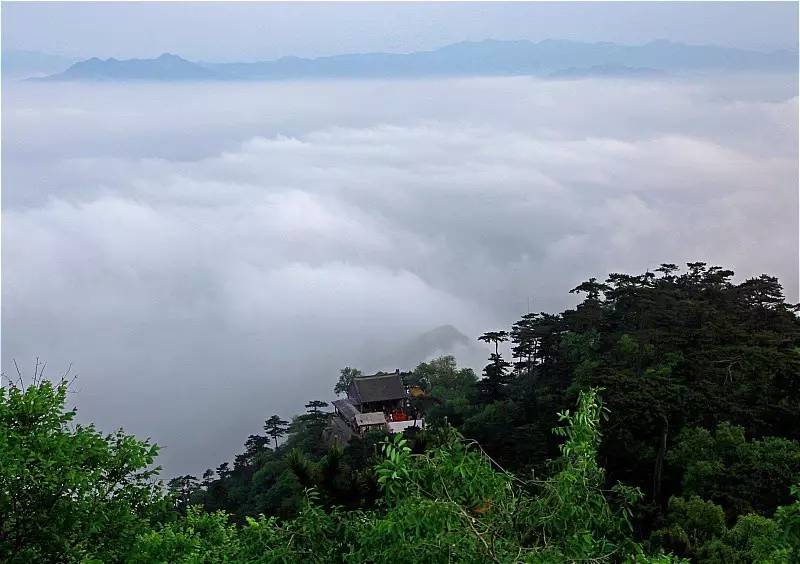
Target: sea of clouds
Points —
{"points": [[206, 255]]}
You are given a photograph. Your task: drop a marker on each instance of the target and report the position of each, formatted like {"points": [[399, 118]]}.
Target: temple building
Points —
{"points": [[379, 402]]}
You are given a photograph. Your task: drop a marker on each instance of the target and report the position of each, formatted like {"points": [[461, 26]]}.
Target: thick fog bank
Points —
{"points": [[209, 254]]}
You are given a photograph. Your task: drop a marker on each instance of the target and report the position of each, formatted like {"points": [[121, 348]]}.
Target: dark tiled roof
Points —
{"points": [[379, 387], [345, 408]]}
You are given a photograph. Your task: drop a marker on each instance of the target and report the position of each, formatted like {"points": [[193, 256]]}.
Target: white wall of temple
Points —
{"points": [[400, 426]]}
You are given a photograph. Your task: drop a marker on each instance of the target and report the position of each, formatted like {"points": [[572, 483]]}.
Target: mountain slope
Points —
{"points": [[438, 341], [166, 67]]}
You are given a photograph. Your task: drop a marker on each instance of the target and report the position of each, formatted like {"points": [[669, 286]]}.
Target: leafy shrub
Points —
{"points": [[67, 492]]}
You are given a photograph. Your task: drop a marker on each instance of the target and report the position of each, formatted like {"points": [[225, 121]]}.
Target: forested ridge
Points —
{"points": [[658, 421]]}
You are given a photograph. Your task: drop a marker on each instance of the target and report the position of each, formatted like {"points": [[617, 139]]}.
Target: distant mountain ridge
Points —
{"points": [[166, 67], [469, 58]]}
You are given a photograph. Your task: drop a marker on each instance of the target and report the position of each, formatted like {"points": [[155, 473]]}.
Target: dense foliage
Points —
{"points": [[701, 376], [684, 444], [67, 492]]}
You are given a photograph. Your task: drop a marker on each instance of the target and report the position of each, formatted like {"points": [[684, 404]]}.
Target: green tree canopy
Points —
{"points": [[346, 376], [68, 492], [276, 428]]}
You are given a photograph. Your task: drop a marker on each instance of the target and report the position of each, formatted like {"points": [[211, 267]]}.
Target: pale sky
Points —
{"points": [[218, 31]]}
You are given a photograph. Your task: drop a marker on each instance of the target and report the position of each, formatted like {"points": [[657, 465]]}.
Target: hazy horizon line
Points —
{"points": [[246, 59]]}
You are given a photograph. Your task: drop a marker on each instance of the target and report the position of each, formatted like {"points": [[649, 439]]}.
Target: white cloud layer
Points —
{"points": [[208, 256]]}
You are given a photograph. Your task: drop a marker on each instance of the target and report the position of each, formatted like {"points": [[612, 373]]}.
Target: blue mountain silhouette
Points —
{"points": [[489, 57]]}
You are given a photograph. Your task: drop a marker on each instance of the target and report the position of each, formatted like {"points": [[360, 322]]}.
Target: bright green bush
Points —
{"points": [[67, 492]]}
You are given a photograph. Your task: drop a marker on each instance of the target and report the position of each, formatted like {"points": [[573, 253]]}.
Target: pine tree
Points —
{"points": [[276, 428]]}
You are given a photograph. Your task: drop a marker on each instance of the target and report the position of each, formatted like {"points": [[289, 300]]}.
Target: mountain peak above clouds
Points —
{"points": [[488, 57]]}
